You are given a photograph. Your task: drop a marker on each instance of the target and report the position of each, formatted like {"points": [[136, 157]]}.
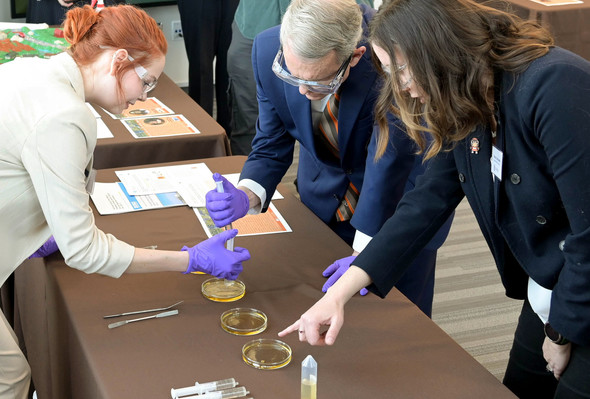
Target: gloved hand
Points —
{"points": [[228, 206], [337, 269], [211, 257], [46, 249]]}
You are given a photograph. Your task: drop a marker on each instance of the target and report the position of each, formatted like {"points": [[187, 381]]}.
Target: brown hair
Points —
{"points": [[89, 32], [452, 48]]}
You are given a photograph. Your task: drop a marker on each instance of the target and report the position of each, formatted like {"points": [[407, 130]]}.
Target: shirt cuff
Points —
{"points": [[361, 240], [540, 300], [258, 191]]}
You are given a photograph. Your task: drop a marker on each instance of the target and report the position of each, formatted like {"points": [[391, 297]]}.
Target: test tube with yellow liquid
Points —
{"points": [[309, 378]]}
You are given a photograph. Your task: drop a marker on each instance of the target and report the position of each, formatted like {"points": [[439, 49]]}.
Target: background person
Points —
{"points": [[510, 118], [316, 85], [53, 12], [49, 135], [206, 28]]}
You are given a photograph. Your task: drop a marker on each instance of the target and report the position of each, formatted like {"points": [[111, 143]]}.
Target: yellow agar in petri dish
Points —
{"points": [[220, 290], [243, 321], [266, 354]]}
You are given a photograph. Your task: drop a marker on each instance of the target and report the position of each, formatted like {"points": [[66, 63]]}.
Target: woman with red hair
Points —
{"points": [[49, 134]]}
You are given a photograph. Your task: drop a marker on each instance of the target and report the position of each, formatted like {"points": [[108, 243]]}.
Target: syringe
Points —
{"points": [[230, 242], [202, 388], [225, 394]]}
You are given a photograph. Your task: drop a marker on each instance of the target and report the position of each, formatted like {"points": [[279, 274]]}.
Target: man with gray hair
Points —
{"points": [[316, 85]]}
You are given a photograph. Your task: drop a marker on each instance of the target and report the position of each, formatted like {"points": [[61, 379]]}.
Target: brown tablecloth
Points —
{"points": [[387, 348], [125, 150], [568, 23]]}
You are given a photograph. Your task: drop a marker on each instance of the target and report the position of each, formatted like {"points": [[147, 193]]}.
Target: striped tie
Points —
{"points": [[328, 131]]}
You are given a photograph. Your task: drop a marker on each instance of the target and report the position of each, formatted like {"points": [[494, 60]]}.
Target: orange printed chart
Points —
{"points": [[143, 109], [159, 126], [269, 222], [264, 223]]}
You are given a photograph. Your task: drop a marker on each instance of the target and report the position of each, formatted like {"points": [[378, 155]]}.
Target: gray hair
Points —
{"points": [[313, 28]]}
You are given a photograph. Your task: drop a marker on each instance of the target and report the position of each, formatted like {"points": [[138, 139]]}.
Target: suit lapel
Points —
{"points": [[300, 109]]}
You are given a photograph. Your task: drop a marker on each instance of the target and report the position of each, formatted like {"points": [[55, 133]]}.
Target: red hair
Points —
{"points": [[119, 27]]}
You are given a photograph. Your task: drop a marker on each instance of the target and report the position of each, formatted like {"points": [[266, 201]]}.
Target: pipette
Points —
{"points": [[309, 378], [198, 389], [230, 242], [238, 392]]}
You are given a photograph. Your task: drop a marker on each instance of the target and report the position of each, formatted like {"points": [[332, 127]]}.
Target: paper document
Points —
{"points": [[191, 181], [159, 126], [264, 223], [112, 198], [102, 131], [142, 109]]}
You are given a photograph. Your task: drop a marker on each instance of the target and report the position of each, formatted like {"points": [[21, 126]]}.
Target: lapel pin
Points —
{"points": [[474, 146]]}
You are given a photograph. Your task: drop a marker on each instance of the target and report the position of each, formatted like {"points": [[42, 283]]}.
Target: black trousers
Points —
{"points": [[206, 26], [526, 375]]}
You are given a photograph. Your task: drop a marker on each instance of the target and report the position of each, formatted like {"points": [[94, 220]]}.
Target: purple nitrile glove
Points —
{"points": [[228, 206], [46, 249], [336, 270], [211, 257]]}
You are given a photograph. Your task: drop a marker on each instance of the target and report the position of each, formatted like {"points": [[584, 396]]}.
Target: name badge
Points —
{"points": [[497, 157]]}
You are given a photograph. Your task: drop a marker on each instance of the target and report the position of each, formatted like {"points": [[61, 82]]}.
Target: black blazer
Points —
{"points": [[536, 220]]}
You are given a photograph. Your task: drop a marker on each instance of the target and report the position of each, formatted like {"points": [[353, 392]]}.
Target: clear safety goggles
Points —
{"points": [[317, 87]]}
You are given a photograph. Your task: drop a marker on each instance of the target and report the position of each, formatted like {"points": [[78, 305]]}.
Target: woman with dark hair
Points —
{"points": [[48, 136], [508, 115]]}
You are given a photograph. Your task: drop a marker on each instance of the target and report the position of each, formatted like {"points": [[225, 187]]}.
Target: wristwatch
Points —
{"points": [[554, 336]]}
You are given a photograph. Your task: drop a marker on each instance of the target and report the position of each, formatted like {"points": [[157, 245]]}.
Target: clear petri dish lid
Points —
{"points": [[243, 321], [266, 354], [220, 290]]}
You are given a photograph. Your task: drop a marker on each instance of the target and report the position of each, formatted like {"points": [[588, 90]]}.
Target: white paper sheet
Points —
{"points": [[112, 198]]}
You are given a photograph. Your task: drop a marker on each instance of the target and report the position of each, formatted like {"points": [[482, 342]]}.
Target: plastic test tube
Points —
{"points": [[225, 394], [230, 242], [309, 378], [202, 388]]}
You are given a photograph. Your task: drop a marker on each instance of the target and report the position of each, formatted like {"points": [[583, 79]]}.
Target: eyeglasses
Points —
{"points": [[317, 87], [148, 85], [398, 72]]}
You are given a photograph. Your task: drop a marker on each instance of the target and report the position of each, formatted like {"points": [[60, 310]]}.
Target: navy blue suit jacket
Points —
{"points": [[285, 117], [536, 220]]}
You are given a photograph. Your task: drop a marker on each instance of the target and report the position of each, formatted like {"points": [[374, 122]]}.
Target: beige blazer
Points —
{"points": [[47, 138]]}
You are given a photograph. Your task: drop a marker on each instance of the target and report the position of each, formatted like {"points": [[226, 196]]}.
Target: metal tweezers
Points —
{"points": [[156, 316], [142, 311]]}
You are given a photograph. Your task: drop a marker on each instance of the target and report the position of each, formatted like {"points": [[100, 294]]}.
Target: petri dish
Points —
{"points": [[243, 321], [220, 290], [266, 354]]}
